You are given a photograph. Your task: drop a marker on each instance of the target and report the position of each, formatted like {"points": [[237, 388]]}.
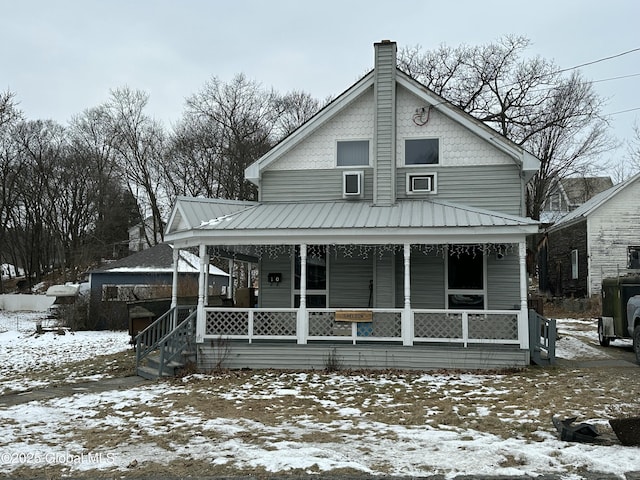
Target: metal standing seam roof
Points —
{"points": [[345, 215]]}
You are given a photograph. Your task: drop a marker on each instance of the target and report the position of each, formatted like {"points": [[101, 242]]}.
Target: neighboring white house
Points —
{"points": [[597, 240]]}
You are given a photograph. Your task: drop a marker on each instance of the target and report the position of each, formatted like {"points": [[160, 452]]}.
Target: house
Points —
{"points": [[567, 194], [140, 235], [599, 239], [148, 274], [389, 232]]}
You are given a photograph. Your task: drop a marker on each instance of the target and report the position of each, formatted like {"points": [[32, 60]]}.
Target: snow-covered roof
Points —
{"points": [[158, 259]]}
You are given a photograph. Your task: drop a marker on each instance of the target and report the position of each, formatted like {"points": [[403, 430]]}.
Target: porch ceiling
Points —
{"points": [[349, 222]]}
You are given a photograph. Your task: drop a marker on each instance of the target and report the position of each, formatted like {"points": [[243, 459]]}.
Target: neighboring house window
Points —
{"points": [[574, 264], [422, 151], [316, 278], [466, 280], [353, 153], [634, 258]]}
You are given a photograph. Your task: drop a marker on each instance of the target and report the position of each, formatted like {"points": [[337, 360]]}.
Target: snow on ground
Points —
{"points": [[157, 423], [22, 350]]}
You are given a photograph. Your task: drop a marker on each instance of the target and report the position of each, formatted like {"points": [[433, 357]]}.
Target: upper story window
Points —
{"points": [[353, 153], [422, 151]]}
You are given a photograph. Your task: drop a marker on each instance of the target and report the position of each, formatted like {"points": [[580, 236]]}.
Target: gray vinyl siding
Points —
{"points": [[384, 285], [427, 280], [309, 185], [503, 279], [272, 295], [384, 136], [493, 187], [349, 281], [314, 356]]}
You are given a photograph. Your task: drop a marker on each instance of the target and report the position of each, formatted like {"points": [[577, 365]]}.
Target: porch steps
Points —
{"points": [[151, 368]]}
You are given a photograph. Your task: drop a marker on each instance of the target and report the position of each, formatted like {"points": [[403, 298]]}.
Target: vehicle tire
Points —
{"points": [[636, 342], [604, 341]]}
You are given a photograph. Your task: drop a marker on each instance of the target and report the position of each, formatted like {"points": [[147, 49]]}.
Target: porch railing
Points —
{"points": [[155, 335], [386, 325]]}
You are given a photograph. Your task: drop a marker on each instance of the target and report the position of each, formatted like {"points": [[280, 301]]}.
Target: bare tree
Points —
{"points": [[33, 218], [10, 170], [531, 102], [295, 109], [242, 117], [92, 142], [140, 146]]}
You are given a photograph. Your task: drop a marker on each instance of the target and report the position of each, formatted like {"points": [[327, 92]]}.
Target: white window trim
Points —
{"points": [[360, 174], [434, 184], [574, 264], [458, 291], [421, 165], [335, 152], [296, 291]]}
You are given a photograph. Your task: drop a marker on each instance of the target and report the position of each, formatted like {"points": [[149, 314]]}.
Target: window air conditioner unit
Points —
{"points": [[352, 184], [421, 183]]}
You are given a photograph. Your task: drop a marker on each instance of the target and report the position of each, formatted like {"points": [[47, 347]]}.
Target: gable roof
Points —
{"points": [[158, 259], [351, 222], [581, 189], [188, 212], [524, 159], [584, 210]]}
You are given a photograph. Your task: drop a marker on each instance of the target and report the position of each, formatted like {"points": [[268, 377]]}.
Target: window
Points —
{"points": [[353, 153], [465, 279], [421, 183], [352, 184], [316, 277], [574, 264], [634, 258], [423, 151]]}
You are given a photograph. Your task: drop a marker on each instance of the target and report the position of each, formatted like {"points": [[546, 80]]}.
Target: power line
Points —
{"points": [[599, 60], [616, 78], [622, 111]]}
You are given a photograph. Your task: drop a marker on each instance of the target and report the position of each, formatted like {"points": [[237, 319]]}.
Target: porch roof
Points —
{"points": [[348, 222]]}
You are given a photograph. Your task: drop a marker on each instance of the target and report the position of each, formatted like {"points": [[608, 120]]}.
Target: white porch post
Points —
{"points": [[230, 286], [200, 318], [303, 326], [407, 324], [174, 287], [523, 325], [206, 282]]}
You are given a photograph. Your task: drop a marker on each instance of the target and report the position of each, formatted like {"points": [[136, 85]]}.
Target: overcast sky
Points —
{"points": [[62, 56]]}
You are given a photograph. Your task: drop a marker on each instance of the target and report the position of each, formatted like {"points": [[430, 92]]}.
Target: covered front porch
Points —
{"points": [[375, 287]]}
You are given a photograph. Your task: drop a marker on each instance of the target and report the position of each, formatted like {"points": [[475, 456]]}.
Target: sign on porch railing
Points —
{"points": [[354, 316]]}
